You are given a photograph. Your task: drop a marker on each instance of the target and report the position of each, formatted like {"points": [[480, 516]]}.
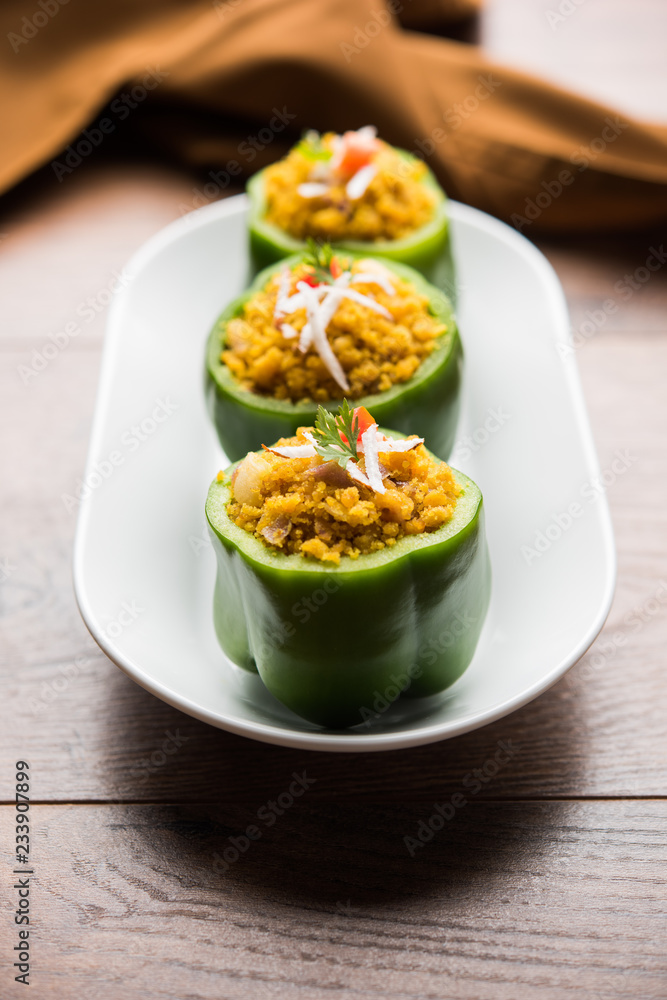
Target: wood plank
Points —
{"points": [[580, 738], [64, 245], [94, 731], [608, 286], [538, 901]]}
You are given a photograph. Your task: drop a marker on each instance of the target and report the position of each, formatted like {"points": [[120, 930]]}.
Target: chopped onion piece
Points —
{"points": [[358, 183], [277, 532], [369, 440], [288, 331], [366, 278], [312, 189], [330, 473]]}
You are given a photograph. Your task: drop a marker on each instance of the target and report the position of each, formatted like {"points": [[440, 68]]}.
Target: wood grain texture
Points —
{"points": [[508, 901], [610, 50], [548, 884], [91, 728]]}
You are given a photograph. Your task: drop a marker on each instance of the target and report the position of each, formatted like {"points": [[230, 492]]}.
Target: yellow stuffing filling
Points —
{"points": [[307, 506], [374, 352], [394, 204]]}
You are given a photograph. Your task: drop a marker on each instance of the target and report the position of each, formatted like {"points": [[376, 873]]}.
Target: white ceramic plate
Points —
{"points": [[143, 567]]}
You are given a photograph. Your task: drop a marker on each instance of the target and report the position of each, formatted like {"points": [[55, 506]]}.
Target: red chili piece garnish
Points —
{"points": [[365, 421]]}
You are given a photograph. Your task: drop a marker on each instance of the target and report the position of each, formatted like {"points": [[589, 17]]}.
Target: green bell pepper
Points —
{"points": [[337, 645], [427, 249], [427, 404]]}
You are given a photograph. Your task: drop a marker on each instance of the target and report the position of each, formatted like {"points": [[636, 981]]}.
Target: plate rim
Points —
{"points": [[342, 741]]}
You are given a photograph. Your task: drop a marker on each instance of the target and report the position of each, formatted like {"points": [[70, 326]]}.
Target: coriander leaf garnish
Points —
{"points": [[320, 257], [336, 434], [312, 147]]}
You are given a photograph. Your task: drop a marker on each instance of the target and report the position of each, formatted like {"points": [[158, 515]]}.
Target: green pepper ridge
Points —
{"points": [[406, 617]]}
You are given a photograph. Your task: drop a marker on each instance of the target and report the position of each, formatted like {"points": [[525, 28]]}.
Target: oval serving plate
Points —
{"points": [[144, 569]]}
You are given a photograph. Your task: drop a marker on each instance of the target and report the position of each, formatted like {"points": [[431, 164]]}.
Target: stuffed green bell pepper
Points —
{"points": [[354, 191], [352, 568], [320, 326]]}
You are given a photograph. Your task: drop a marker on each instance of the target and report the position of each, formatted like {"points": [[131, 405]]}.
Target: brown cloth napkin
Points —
{"points": [[228, 85]]}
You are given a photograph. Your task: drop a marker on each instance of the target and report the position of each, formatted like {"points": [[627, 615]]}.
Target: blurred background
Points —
{"points": [[188, 90]]}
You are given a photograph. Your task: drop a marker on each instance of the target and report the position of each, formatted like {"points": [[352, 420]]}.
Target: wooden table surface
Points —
{"points": [[549, 884]]}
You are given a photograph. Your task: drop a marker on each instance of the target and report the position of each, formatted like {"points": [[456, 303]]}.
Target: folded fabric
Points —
{"points": [[228, 85]]}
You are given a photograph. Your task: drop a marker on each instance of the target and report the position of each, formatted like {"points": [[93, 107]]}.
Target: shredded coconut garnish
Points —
{"points": [[321, 303], [371, 444], [366, 300], [377, 278], [354, 472], [312, 189], [291, 304], [369, 441], [357, 185], [283, 292], [306, 338], [386, 444], [319, 315], [293, 450]]}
